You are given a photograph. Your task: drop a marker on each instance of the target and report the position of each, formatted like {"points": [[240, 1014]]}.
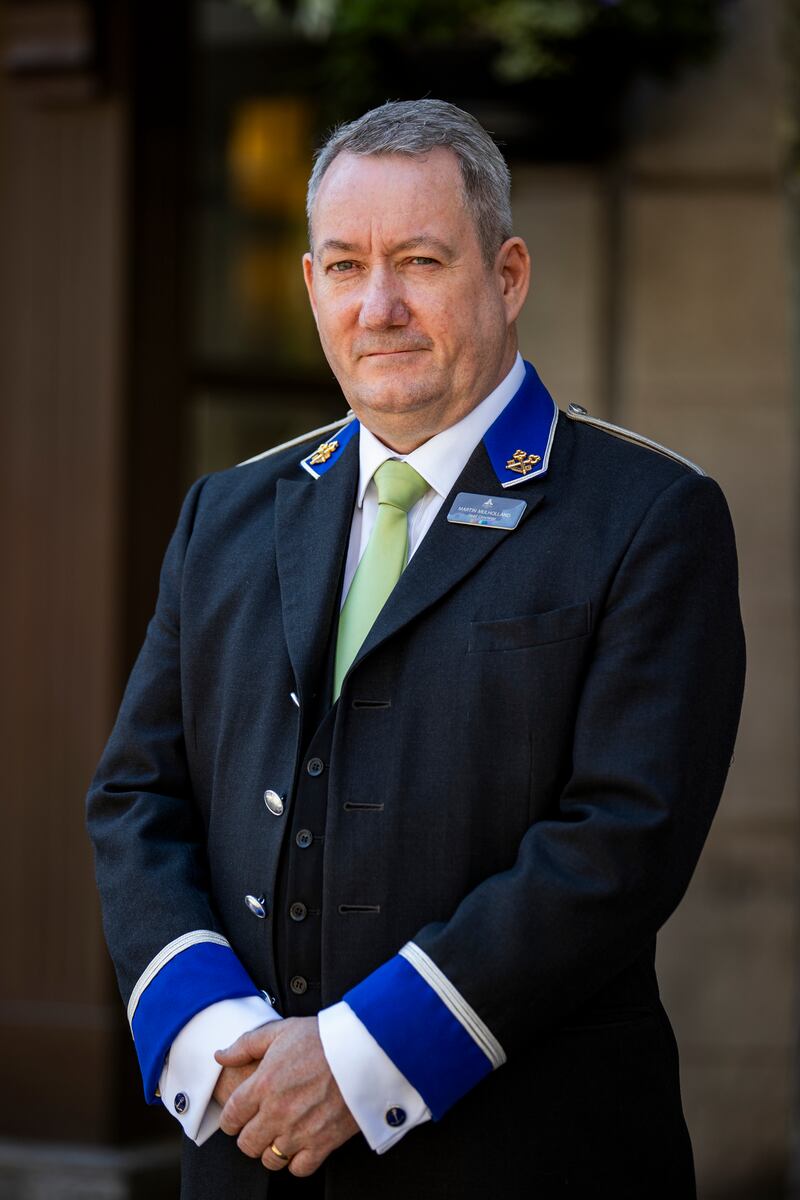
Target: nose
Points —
{"points": [[383, 304]]}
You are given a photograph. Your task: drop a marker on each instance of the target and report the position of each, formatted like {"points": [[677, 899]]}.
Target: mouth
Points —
{"points": [[393, 353]]}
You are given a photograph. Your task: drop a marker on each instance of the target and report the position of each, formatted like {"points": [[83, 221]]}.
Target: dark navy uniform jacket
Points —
{"points": [[524, 762]]}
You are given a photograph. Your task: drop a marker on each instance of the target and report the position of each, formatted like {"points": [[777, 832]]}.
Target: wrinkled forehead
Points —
{"points": [[391, 196]]}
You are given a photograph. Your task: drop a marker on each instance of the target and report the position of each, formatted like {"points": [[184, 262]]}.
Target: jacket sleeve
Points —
{"points": [[171, 956], [595, 880]]}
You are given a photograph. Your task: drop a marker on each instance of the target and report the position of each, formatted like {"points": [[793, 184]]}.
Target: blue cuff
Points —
{"points": [[191, 981], [418, 1031]]}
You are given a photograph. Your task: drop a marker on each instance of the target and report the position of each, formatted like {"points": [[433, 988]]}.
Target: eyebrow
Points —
{"points": [[413, 243]]}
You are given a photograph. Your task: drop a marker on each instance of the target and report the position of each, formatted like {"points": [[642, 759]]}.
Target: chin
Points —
{"points": [[394, 396]]}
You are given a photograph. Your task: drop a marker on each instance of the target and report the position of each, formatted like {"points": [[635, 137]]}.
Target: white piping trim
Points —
{"points": [[298, 441], [166, 955], [452, 998], [307, 467], [637, 439], [527, 478]]}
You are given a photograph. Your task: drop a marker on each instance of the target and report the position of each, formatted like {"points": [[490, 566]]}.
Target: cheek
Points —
{"points": [[439, 320], [459, 334], [458, 317], [333, 322]]}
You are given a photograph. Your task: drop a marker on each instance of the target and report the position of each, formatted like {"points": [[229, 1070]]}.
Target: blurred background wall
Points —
{"points": [[153, 326]]}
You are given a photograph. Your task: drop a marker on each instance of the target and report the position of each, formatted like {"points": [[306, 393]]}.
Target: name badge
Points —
{"points": [[493, 512]]}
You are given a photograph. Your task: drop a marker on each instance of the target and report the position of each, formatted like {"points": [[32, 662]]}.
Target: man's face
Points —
{"points": [[416, 328]]}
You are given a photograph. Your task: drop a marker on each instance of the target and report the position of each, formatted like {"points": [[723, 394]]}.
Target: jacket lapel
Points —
{"points": [[312, 531], [449, 552]]}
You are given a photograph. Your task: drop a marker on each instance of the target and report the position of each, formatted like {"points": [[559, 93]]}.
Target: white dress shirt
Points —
{"points": [[439, 461], [367, 1078]]}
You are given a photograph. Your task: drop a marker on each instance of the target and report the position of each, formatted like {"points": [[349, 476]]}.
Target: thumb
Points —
{"points": [[250, 1047]]}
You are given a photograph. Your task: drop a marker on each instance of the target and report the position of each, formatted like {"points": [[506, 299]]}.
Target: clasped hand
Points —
{"points": [[277, 1090]]}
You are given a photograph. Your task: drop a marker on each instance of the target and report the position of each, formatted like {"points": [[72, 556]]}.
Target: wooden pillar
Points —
{"points": [[790, 30], [90, 407]]}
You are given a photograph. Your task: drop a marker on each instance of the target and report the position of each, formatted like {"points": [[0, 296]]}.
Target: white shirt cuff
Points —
{"points": [[190, 1070], [373, 1088]]}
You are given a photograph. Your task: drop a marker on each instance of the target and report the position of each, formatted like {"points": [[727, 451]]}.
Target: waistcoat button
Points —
{"points": [[274, 802], [298, 984], [304, 838], [315, 766], [298, 911], [256, 906]]}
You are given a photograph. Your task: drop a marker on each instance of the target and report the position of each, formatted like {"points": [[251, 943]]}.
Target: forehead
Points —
{"points": [[391, 195]]}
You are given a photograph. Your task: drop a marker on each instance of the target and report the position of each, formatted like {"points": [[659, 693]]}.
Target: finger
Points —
{"points": [[250, 1047], [277, 1155], [305, 1162], [230, 1078], [256, 1137], [240, 1108], [234, 1056]]}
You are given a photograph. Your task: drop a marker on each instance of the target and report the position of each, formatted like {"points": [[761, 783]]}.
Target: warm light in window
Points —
{"points": [[269, 156]]}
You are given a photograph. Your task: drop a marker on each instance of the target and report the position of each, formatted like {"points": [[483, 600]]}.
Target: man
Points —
{"points": [[401, 839]]}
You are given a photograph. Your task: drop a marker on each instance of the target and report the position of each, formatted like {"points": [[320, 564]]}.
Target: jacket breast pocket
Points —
{"points": [[538, 629]]}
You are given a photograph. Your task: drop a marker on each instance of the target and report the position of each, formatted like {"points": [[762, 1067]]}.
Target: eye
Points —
{"points": [[419, 260], [339, 268]]}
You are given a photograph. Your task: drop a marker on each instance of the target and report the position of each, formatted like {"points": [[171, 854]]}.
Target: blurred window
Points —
{"points": [[257, 374]]}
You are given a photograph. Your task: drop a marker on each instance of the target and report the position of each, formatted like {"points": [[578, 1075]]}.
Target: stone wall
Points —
{"points": [[662, 299]]}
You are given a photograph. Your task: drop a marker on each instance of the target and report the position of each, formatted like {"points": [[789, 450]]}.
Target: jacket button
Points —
{"points": [[256, 906], [298, 984], [298, 911], [304, 838], [315, 766], [274, 802], [181, 1103]]}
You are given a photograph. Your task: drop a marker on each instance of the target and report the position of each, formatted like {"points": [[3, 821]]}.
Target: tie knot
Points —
{"points": [[399, 484]]}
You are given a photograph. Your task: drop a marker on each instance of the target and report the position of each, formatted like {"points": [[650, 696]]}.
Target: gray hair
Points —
{"points": [[414, 127]]}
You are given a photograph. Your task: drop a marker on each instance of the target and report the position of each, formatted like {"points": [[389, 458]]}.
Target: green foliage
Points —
{"points": [[554, 37], [430, 20], [535, 38], [523, 40]]}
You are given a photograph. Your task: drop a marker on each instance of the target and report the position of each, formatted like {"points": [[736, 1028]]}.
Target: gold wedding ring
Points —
{"points": [[279, 1153]]}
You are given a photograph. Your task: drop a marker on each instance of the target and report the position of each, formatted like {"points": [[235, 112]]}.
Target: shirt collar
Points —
{"points": [[443, 457]]}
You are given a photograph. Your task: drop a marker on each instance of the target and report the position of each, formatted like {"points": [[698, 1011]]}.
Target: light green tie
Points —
{"points": [[382, 563]]}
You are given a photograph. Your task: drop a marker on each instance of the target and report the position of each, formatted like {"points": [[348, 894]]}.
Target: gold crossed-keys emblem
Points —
{"points": [[520, 462], [323, 453]]}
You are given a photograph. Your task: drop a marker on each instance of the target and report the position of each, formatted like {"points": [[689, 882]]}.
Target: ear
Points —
{"points": [[308, 276], [513, 269]]}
